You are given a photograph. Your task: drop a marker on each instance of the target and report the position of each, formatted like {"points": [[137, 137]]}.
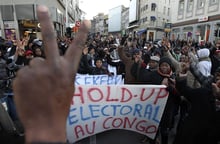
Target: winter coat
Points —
{"points": [[83, 65], [3, 70], [199, 126], [99, 71], [172, 101], [129, 79]]}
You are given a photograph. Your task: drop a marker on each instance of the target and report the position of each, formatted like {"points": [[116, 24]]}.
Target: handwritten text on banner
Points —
{"points": [[98, 80], [95, 109]]}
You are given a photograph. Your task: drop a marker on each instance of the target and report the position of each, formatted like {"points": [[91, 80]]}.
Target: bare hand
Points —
{"points": [[165, 82], [184, 67], [44, 89]]}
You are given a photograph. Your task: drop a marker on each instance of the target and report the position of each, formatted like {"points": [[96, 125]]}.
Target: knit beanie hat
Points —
{"points": [[166, 60], [169, 62]]}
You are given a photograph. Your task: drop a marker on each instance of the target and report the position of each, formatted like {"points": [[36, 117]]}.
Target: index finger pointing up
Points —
{"points": [[48, 34]]}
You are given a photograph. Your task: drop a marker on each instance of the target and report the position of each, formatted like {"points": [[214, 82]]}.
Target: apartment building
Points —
{"points": [[115, 22], [99, 23], [154, 15], [106, 24], [148, 17], [196, 19], [125, 21], [18, 18]]}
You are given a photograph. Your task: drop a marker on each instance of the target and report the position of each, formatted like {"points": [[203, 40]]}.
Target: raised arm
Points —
{"points": [[44, 89]]}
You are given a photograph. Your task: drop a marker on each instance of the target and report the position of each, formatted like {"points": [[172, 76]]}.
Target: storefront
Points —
{"points": [[9, 30], [197, 30], [28, 28], [21, 20]]}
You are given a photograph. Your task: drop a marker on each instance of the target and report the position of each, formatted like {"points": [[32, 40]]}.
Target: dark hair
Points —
{"points": [[98, 58]]}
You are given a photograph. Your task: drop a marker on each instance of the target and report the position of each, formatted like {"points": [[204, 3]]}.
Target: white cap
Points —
{"points": [[155, 58]]}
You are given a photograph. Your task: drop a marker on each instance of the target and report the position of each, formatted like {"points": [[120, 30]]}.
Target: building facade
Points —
{"points": [[154, 14], [99, 23], [196, 19], [125, 21], [19, 19], [115, 22], [105, 25]]}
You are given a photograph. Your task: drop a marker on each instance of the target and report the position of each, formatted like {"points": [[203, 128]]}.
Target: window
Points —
{"points": [[168, 12], [212, 2], [153, 7], [190, 5], [152, 18], [181, 6], [145, 19], [146, 6], [164, 10], [201, 3]]}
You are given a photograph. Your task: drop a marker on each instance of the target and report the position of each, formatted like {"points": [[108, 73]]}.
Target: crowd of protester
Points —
{"points": [[189, 69]]}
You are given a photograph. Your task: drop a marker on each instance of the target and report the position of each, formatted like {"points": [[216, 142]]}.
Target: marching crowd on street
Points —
{"points": [[189, 69]]}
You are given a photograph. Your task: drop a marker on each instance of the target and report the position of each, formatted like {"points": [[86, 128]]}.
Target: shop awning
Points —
{"points": [[141, 31]]}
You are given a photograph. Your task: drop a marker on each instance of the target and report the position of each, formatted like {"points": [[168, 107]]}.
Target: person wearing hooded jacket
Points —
{"points": [[204, 64]]}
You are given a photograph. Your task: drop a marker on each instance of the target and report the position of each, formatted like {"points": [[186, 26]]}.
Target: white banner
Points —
{"points": [[98, 108], [98, 80]]}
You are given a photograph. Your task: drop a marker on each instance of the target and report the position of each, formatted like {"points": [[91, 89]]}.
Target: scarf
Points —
{"points": [[165, 75]]}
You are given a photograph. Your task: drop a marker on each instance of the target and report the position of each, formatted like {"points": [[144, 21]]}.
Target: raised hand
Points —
{"points": [[44, 89]]}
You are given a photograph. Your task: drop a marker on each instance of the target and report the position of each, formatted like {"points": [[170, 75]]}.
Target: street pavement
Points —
{"points": [[119, 137]]}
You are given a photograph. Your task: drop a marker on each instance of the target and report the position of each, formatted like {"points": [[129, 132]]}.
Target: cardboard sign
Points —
{"points": [[98, 108]]}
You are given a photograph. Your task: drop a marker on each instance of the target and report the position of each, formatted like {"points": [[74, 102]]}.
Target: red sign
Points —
{"points": [[75, 29], [203, 19], [77, 23]]}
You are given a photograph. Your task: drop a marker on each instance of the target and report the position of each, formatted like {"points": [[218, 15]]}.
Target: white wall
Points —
{"points": [[133, 11], [196, 15], [114, 24]]}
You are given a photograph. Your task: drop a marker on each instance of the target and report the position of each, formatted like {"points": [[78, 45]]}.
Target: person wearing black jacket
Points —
{"points": [[200, 124], [99, 69], [202, 115], [215, 59], [165, 76], [120, 66], [84, 64]]}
